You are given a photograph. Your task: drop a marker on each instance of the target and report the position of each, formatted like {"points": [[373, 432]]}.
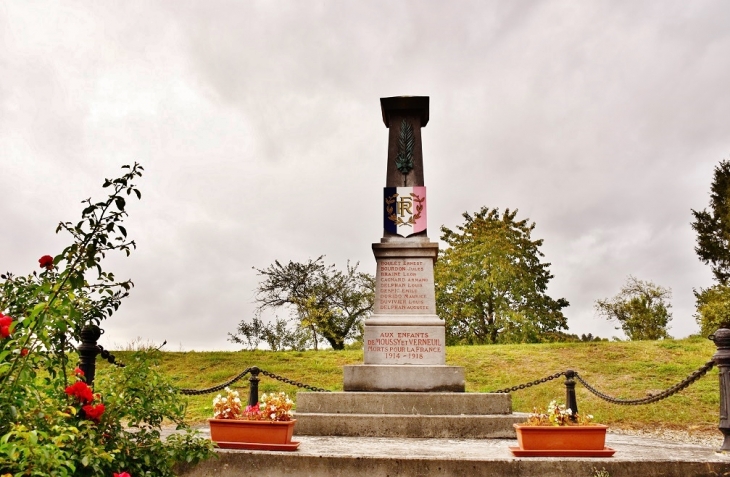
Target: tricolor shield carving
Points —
{"points": [[404, 210]]}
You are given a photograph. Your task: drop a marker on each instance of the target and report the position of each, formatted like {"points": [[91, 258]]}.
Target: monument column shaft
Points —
{"points": [[394, 177]]}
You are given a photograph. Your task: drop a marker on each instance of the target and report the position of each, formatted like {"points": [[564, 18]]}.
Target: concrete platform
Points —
{"points": [[397, 457]]}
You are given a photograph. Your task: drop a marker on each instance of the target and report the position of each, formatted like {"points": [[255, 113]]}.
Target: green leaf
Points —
{"points": [[37, 309]]}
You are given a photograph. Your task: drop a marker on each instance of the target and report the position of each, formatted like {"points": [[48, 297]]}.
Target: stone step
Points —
{"points": [[406, 414], [494, 426], [403, 378], [404, 403]]}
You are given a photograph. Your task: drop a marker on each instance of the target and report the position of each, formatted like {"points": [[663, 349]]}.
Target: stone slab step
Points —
{"points": [[403, 378], [408, 425], [403, 403], [351, 457]]}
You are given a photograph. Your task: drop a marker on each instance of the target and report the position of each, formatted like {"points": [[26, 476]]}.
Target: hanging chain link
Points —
{"points": [[109, 357], [694, 376], [196, 392], [530, 384], [219, 387], [294, 383]]}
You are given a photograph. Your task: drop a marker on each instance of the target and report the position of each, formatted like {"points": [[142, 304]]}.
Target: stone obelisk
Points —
{"points": [[404, 339]]}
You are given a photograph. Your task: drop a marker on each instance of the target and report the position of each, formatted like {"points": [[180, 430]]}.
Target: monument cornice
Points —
{"points": [[406, 249], [405, 106]]}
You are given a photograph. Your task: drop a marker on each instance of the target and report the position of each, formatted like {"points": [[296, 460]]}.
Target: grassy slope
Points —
{"points": [[621, 369]]}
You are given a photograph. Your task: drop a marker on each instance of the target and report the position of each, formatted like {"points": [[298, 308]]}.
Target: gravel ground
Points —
{"points": [[704, 437]]}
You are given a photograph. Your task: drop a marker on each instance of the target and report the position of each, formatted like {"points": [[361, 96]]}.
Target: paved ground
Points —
{"points": [[628, 447], [636, 455]]}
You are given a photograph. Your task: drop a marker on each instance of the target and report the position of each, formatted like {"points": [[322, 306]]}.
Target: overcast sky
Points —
{"points": [[259, 126]]}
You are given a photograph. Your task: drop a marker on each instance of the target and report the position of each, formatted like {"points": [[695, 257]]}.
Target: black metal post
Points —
{"points": [[253, 390], [722, 361], [88, 350], [570, 401]]}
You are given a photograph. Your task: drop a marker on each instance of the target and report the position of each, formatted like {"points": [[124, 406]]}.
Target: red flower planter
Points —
{"points": [[586, 441], [244, 434]]}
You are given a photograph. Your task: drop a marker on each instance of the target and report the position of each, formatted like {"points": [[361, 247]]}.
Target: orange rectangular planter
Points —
{"points": [[561, 438], [259, 432]]}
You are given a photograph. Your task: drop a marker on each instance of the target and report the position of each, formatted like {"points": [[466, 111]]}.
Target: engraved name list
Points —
{"points": [[405, 286]]}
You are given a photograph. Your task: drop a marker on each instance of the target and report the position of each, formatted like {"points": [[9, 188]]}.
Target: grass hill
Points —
{"points": [[621, 369]]}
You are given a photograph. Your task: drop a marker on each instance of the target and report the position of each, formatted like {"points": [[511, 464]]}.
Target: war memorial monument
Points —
{"points": [[404, 387]]}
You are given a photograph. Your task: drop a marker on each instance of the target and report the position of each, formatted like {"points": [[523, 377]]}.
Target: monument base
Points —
{"points": [[407, 378]]}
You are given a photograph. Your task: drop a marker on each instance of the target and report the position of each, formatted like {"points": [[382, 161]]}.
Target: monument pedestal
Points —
{"points": [[404, 339]]}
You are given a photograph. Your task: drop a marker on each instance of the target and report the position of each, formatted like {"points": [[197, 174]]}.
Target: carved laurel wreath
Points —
{"points": [[393, 217]]}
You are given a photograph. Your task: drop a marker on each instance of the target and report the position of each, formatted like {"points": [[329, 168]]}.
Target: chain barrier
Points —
{"points": [[530, 384], [109, 357], [293, 383], [694, 376], [197, 392], [219, 387]]}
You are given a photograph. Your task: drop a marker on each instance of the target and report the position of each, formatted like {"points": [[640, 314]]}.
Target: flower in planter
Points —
{"points": [[557, 414], [228, 407], [271, 407], [276, 407]]}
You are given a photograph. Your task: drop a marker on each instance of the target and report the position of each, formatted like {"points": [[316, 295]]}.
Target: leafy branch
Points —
{"points": [[406, 142]]}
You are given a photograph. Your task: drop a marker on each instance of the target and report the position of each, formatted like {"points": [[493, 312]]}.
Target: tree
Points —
{"points": [[279, 335], [327, 303], [641, 308], [713, 248], [713, 308], [713, 227], [490, 283]]}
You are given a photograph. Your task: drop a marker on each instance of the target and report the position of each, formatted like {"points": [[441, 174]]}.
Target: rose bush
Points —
{"points": [[51, 421]]}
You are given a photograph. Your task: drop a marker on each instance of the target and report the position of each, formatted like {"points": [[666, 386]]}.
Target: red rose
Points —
{"points": [[46, 262], [81, 391], [5, 322], [24, 352], [78, 371], [123, 474], [93, 413]]}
